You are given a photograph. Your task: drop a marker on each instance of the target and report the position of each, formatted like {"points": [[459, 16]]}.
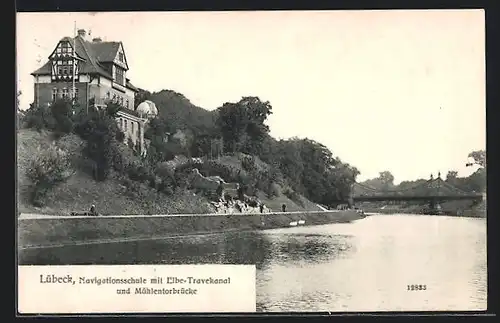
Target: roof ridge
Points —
{"points": [[84, 48]]}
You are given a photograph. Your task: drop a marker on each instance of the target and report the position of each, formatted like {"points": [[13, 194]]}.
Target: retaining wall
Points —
{"points": [[54, 230]]}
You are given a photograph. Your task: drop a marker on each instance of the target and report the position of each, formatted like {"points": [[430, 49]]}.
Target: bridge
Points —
{"points": [[434, 191]]}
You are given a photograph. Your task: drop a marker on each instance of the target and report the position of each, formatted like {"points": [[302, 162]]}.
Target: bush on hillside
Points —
{"points": [[100, 131], [273, 190], [47, 168], [130, 144], [36, 118], [123, 157], [183, 172], [227, 172], [73, 146], [139, 171], [248, 163], [166, 175], [62, 114]]}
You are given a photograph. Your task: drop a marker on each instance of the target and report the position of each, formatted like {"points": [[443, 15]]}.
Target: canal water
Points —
{"points": [[366, 265]]}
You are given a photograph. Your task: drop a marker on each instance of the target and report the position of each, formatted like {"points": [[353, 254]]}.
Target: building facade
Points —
{"points": [[99, 70]]}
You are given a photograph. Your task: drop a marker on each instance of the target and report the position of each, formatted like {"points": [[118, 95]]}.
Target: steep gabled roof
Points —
{"points": [[105, 51], [94, 55], [44, 70]]}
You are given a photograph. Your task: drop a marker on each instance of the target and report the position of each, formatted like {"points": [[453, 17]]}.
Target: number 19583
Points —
{"points": [[416, 287]]}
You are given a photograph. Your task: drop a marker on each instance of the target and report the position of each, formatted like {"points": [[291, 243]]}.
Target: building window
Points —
{"points": [[64, 47], [54, 94], [121, 123], [120, 57], [119, 75], [125, 125], [127, 105], [132, 127], [65, 93]]}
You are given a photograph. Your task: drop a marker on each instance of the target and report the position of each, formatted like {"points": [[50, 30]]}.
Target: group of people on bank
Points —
{"points": [[242, 204]]}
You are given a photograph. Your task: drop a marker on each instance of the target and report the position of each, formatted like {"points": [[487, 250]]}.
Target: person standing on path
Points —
{"points": [[239, 190], [93, 212]]}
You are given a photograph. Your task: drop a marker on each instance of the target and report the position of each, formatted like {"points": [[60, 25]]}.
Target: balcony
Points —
{"points": [[118, 86]]}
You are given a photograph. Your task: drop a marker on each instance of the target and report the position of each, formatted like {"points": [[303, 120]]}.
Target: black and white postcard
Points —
{"points": [[251, 161]]}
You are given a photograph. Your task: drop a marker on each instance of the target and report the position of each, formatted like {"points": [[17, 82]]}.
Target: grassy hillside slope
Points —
{"points": [[81, 191], [111, 196]]}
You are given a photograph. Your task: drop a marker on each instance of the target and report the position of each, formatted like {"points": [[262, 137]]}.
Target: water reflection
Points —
{"points": [[308, 248], [259, 248]]}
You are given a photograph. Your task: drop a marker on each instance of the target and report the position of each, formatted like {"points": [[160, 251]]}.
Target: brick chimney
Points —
{"points": [[97, 40], [82, 33]]}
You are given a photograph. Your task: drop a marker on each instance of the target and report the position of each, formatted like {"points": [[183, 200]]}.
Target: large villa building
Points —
{"points": [[99, 69]]}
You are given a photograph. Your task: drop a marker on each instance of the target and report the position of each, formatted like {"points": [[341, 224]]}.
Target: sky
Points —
{"points": [[393, 90]]}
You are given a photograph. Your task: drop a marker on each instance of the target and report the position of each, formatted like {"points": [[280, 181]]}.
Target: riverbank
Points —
{"points": [[451, 208], [38, 231], [465, 213]]}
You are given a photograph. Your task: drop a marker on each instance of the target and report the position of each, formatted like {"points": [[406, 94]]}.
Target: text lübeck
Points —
{"points": [[53, 279]]}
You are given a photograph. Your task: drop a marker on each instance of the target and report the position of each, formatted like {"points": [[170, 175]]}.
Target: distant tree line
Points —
{"points": [[476, 182]]}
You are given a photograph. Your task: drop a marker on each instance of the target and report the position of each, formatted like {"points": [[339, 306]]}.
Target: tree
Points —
{"points": [[47, 168], [386, 178], [242, 124], [102, 134], [452, 175], [19, 114], [384, 182], [479, 157], [476, 182], [62, 112], [141, 96], [19, 93]]}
